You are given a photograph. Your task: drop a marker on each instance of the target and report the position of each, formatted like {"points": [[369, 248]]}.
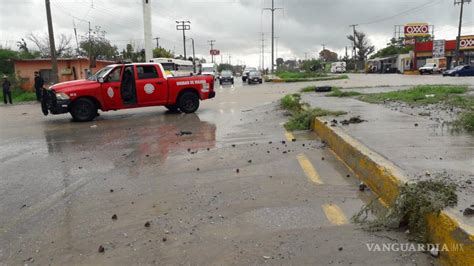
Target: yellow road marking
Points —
{"points": [[309, 169], [334, 214], [289, 136]]}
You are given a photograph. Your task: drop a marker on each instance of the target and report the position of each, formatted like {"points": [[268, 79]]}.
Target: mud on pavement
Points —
{"points": [[132, 188]]}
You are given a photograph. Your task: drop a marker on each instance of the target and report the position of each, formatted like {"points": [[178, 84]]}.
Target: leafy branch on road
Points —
{"points": [[301, 114], [413, 204]]}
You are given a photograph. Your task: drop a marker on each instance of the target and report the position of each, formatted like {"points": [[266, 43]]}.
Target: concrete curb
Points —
{"points": [[385, 179]]}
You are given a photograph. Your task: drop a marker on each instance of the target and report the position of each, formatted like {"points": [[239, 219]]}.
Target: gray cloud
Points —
{"points": [[302, 26]]}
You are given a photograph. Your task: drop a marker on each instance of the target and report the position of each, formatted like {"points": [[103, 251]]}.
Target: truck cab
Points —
{"points": [[124, 86]]}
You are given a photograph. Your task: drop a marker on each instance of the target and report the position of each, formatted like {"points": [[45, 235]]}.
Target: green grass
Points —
{"points": [[308, 89], [465, 121], [300, 75], [337, 92], [301, 115], [425, 94], [464, 102], [302, 120], [324, 78], [20, 96]]}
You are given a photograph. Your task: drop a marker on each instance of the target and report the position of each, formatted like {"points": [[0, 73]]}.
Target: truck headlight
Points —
{"points": [[62, 96]]}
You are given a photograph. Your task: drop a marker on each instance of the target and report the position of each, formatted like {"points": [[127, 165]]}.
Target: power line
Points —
{"points": [[412, 10]]}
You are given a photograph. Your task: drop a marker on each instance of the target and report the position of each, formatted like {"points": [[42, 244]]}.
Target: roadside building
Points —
{"points": [[427, 50], [68, 69]]}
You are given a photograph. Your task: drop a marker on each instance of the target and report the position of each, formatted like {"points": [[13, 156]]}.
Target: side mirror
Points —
{"points": [[101, 80]]}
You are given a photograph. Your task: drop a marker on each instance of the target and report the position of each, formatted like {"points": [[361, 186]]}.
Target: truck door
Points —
{"points": [[111, 90], [152, 86]]}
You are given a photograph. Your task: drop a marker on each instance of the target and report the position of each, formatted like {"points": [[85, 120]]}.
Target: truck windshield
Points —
{"points": [[100, 74], [207, 69]]}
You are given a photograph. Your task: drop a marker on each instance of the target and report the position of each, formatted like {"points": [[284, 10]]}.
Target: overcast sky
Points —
{"points": [[236, 25]]}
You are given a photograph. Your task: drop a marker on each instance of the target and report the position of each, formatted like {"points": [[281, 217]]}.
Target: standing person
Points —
{"points": [[6, 90], [39, 82]]}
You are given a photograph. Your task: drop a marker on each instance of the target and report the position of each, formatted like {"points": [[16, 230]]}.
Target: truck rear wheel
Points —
{"points": [[188, 102], [83, 110]]}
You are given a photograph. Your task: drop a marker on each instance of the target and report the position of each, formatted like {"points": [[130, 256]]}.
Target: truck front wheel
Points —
{"points": [[83, 110], [188, 102]]}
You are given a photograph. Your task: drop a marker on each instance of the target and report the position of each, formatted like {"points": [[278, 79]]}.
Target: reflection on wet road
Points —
{"points": [[227, 185]]}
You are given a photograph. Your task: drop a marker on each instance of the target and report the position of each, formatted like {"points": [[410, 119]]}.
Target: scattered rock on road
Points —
{"points": [[468, 212], [101, 249], [353, 120]]}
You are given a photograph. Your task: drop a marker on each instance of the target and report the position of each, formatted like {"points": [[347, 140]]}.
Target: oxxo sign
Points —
{"points": [[215, 52], [466, 42], [417, 29]]}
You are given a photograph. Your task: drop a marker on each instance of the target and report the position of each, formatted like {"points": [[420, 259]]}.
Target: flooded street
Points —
{"points": [[227, 185]]}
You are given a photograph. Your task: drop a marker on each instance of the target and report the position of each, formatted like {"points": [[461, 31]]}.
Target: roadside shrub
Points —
{"points": [[413, 204], [302, 120], [291, 102]]}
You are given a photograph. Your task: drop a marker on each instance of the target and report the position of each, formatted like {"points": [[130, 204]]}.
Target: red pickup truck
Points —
{"points": [[126, 86]]}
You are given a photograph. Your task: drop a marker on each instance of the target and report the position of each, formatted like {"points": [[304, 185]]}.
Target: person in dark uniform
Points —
{"points": [[6, 90], [39, 82]]}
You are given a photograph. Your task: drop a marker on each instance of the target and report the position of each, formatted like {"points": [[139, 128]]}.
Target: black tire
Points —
{"points": [[261, 81], [188, 102], [83, 110], [172, 108]]}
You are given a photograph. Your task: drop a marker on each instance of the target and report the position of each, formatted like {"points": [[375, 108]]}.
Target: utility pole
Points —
{"points": [[184, 26], [52, 46], [276, 46], [230, 61], [458, 39], [157, 41], [324, 46], [91, 62], [305, 56], [272, 9], [147, 30], [263, 52], [354, 50], [211, 42]]}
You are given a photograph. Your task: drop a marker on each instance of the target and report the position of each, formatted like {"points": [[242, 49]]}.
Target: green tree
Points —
{"points": [[161, 52], [364, 48], [328, 56], [98, 46], [225, 67], [6, 61], [312, 65], [393, 48]]}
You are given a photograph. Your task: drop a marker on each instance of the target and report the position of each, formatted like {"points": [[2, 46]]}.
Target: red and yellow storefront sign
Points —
{"points": [[466, 42]]}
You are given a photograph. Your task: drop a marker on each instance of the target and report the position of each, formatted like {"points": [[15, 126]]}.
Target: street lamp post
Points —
{"points": [[194, 55]]}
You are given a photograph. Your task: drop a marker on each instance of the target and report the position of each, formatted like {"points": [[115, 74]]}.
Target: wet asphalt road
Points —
{"points": [[237, 190]]}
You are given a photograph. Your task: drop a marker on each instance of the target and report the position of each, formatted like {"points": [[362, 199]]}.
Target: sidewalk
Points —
{"points": [[419, 146]]}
